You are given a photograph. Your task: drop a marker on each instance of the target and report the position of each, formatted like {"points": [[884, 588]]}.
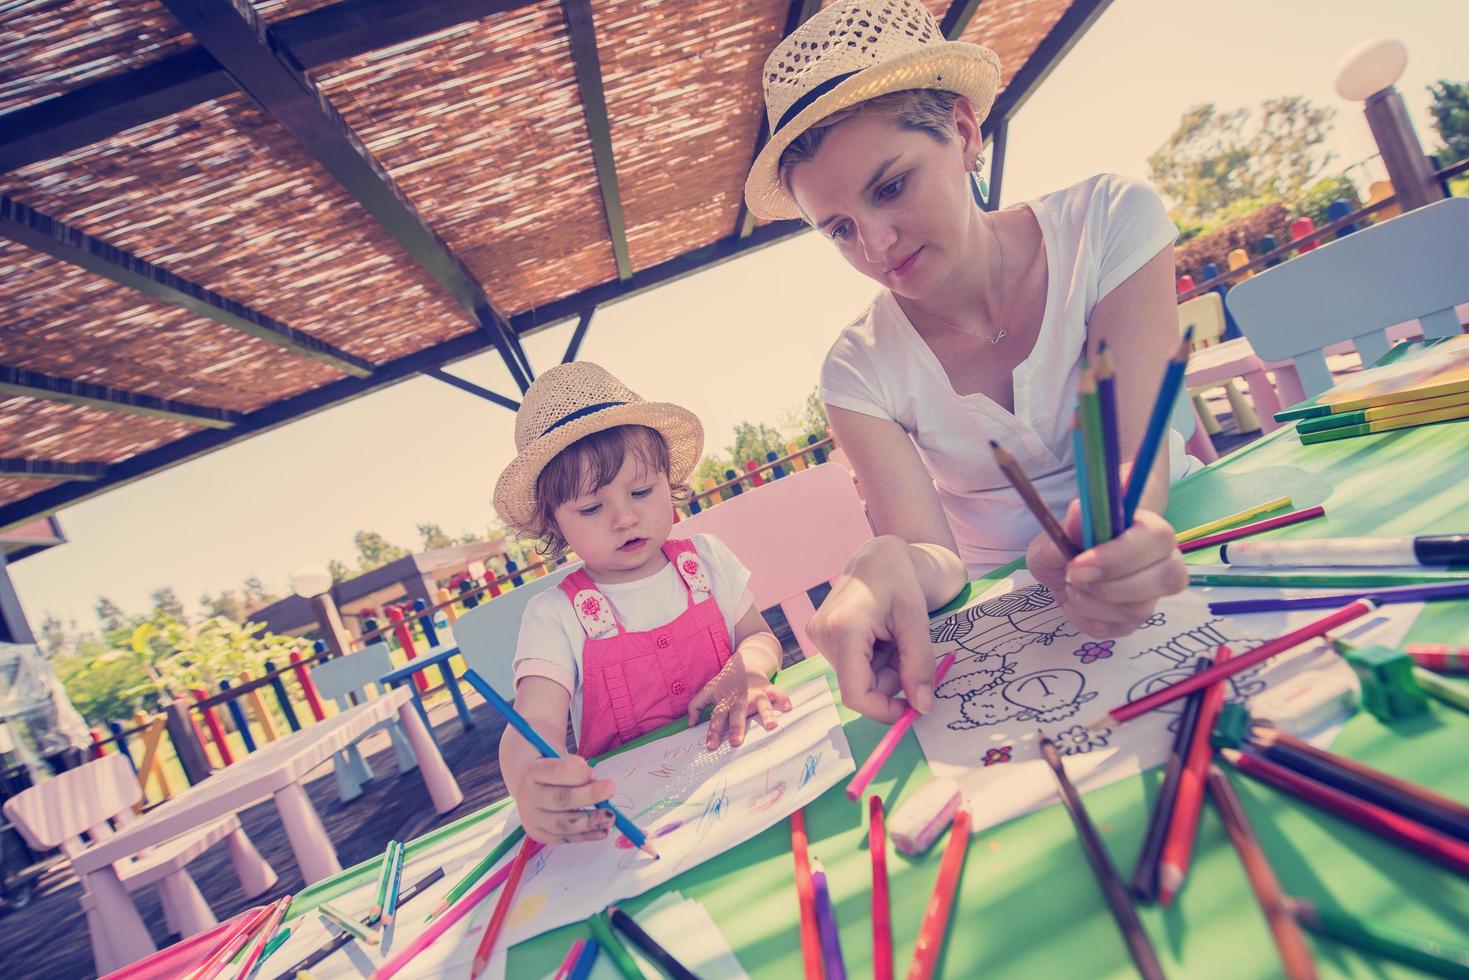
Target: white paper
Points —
{"points": [[1022, 670]]}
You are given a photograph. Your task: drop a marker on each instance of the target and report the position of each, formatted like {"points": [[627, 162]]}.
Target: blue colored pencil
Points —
{"points": [[395, 884], [1078, 449], [629, 829], [586, 960], [1111, 454], [1142, 464]]}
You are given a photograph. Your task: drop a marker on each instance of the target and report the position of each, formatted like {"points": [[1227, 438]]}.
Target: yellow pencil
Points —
{"points": [[1249, 513]]}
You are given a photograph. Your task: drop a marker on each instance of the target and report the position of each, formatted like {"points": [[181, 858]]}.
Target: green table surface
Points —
{"points": [[1028, 905]]}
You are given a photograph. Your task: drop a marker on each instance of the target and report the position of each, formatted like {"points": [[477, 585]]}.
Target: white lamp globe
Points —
{"points": [[1370, 67], [312, 580]]}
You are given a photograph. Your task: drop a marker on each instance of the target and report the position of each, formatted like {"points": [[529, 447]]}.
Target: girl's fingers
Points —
{"points": [[701, 700], [779, 697], [760, 704], [1165, 577], [718, 722], [736, 718]]}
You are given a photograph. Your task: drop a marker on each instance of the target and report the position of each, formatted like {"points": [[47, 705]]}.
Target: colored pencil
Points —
{"points": [[882, 916], [1439, 657], [276, 942], [395, 882], [343, 938], [585, 960], [1145, 875], [1428, 955], [1033, 502], [1248, 530], [621, 958], [502, 911], [806, 897], [890, 739], [1115, 892], [348, 924], [1096, 455], [1083, 491], [1378, 413], [442, 924], [1183, 825], [1295, 955], [1445, 414], [1200, 530], [826, 924], [1314, 580], [1412, 801], [1451, 854], [572, 952], [478, 871], [384, 875], [233, 941], [1453, 693], [1147, 452], [935, 927], [630, 928], [1244, 661], [629, 829], [263, 937], [1111, 453], [1441, 592]]}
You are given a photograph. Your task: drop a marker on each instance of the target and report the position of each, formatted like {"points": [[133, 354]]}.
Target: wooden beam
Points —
{"points": [[159, 89], [34, 230], [20, 468], [453, 380], [588, 67], [239, 40], [583, 324], [957, 18], [1076, 21], [33, 384]]}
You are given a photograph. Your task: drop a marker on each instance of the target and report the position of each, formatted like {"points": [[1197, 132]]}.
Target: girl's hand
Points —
{"points": [[736, 692], [554, 797], [1111, 589]]}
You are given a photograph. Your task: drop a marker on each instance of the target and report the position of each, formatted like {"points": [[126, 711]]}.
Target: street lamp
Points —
{"points": [[314, 583], [1367, 74]]}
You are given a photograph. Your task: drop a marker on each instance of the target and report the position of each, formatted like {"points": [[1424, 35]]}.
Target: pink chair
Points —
{"points": [[792, 533], [55, 814], [1219, 364]]}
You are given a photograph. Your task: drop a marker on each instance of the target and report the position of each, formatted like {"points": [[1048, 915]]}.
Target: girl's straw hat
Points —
{"points": [[849, 53], [574, 400]]}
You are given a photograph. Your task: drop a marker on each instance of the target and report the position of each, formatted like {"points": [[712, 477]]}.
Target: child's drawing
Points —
{"points": [[768, 797], [809, 768]]}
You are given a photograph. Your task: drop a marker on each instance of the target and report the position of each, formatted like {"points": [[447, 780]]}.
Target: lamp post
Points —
{"points": [[1367, 74], [315, 583]]}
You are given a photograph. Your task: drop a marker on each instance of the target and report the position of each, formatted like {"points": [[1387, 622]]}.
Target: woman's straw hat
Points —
{"points": [[574, 400], [849, 53]]}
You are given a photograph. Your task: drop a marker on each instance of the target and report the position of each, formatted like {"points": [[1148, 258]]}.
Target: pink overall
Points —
{"points": [[633, 683]]}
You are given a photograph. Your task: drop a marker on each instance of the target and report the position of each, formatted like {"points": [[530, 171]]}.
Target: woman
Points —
{"points": [[978, 334]]}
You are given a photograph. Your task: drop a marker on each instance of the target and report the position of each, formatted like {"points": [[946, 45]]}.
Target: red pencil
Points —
{"points": [[1450, 853], [502, 910], [572, 952], [1246, 530], [1183, 827], [806, 895], [936, 916], [882, 925], [891, 738], [1244, 661], [1440, 657]]}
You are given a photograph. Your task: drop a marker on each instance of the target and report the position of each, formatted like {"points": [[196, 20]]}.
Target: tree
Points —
{"points": [[375, 551], [1450, 110], [227, 604], [165, 600], [110, 613], [256, 594], [433, 536], [1214, 159], [338, 570]]}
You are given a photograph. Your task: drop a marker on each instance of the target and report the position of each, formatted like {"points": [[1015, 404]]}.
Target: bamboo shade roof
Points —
{"points": [[217, 216]]}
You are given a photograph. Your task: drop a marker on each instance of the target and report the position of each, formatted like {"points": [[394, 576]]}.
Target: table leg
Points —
{"points": [[452, 683], [442, 787], [422, 712], [1267, 402], [126, 937], [1288, 384], [315, 855]]}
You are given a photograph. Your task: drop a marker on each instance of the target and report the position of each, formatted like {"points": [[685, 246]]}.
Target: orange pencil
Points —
{"points": [[936, 916], [502, 910], [882, 924], [806, 895], [1178, 848]]}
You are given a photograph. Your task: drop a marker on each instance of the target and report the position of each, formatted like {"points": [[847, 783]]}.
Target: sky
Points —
{"points": [[742, 341]]}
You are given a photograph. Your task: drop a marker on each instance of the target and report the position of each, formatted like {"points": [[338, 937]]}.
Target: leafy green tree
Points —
{"points": [[228, 604], [1450, 110], [432, 537], [1214, 159], [110, 613], [375, 551], [1314, 201], [256, 594], [339, 570], [165, 600]]}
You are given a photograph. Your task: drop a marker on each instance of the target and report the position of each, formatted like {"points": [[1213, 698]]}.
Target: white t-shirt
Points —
{"points": [[551, 636], [1097, 233]]}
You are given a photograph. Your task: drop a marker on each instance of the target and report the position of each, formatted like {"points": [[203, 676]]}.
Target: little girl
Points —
{"points": [[651, 628]]}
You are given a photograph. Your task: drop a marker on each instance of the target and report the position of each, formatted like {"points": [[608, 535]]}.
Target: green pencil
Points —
{"points": [[621, 958], [478, 871], [1452, 693], [1322, 580], [1096, 455], [383, 874], [1428, 955]]}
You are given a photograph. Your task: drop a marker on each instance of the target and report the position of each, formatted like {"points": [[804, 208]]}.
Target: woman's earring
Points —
{"points": [[978, 186]]}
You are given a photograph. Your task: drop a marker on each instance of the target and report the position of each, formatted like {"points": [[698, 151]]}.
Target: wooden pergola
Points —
{"points": [[219, 216]]}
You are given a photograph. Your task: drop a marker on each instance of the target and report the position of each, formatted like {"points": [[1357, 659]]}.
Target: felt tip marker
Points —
{"points": [[1428, 549]]}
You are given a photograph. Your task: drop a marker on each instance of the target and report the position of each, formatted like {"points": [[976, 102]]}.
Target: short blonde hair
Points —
{"points": [[927, 110]]}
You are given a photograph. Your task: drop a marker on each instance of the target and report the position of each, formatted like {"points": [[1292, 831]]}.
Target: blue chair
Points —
{"points": [[1415, 266], [358, 673], [486, 635]]}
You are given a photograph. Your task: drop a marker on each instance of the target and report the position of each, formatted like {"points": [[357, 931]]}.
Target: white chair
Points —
{"points": [[355, 673], [57, 812], [487, 634], [1415, 266], [792, 534]]}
